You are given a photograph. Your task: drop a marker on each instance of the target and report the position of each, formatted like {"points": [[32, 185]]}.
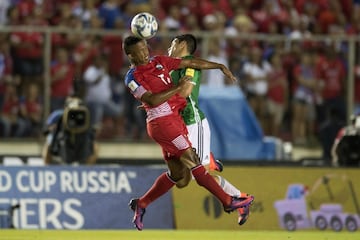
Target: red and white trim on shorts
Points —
{"points": [[181, 142]]}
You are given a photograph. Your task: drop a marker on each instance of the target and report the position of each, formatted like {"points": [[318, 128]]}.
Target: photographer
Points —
{"points": [[346, 148], [69, 137]]}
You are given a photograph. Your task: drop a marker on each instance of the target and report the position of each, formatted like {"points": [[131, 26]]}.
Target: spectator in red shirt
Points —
{"points": [[325, 19], [206, 7], [331, 73], [31, 110], [301, 4], [64, 19], [28, 55], [6, 66], [277, 95], [263, 17], [12, 124], [304, 99], [85, 53], [62, 77], [25, 8], [112, 47]]}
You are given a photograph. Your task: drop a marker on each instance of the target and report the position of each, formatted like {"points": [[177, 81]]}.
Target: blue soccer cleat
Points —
{"points": [[138, 213], [239, 202]]}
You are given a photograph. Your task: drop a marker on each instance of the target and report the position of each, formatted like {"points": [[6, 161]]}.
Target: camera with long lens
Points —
{"points": [[72, 138]]}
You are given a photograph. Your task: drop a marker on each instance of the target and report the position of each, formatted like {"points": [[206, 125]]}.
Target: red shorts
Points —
{"points": [[170, 133]]}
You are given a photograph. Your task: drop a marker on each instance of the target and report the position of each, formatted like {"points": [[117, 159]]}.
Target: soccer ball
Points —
{"points": [[144, 25]]}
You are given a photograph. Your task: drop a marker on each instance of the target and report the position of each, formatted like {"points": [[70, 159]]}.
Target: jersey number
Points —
{"points": [[166, 81]]}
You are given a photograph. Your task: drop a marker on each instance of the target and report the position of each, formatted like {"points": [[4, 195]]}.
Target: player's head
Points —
{"points": [[181, 45], [137, 50]]}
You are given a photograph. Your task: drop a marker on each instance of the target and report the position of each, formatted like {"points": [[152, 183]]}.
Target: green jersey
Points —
{"points": [[191, 113]]}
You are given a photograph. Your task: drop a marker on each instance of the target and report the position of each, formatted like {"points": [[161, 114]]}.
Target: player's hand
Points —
{"points": [[185, 81], [186, 84], [228, 74]]}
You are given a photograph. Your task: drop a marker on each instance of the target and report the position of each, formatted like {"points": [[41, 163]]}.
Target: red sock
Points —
{"points": [[203, 178], [161, 185]]}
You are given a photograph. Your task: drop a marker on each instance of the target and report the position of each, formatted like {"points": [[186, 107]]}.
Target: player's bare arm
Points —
{"points": [[154, 99], [198, 63]]}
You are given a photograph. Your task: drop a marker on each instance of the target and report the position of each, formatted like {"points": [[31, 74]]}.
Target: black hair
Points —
{"points": [[129, 42], [190, 42]]}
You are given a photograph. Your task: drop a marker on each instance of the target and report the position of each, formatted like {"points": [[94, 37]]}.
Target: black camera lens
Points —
{"points": [[76, 118]]}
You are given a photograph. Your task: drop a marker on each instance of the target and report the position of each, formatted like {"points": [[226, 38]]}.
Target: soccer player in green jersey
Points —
{"points": [[184, 46]]}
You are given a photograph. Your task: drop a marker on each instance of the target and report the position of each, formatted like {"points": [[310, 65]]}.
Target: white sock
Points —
{"points": [[228, 187]]}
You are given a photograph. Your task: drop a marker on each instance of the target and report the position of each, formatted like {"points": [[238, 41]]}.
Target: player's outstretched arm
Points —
{"points": [[199, 63], [154, 99]]}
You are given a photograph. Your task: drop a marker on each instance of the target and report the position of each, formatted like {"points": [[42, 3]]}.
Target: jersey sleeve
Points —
{"points": [[54, 117], [134, 86]]}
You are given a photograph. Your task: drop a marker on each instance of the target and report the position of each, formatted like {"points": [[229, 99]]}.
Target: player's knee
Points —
{"points": [[183, 182], [175, 177]]}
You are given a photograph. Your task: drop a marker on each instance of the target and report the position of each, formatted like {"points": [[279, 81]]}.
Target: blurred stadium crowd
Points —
{"points": [[295, 86]]}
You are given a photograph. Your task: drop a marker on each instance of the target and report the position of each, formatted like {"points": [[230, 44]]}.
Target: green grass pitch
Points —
{"points": [[173, 235]]}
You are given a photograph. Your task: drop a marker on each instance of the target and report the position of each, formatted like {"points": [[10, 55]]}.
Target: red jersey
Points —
{"points": [[164, 122], [33, 108], [11, 107], [62, 87], [89, 59], [26, 7], [155, 77], [277, 86], [34, 39], [333, 74]]}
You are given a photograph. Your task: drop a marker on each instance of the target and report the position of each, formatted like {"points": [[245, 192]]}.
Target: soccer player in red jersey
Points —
{"points": [[149, 81]]}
